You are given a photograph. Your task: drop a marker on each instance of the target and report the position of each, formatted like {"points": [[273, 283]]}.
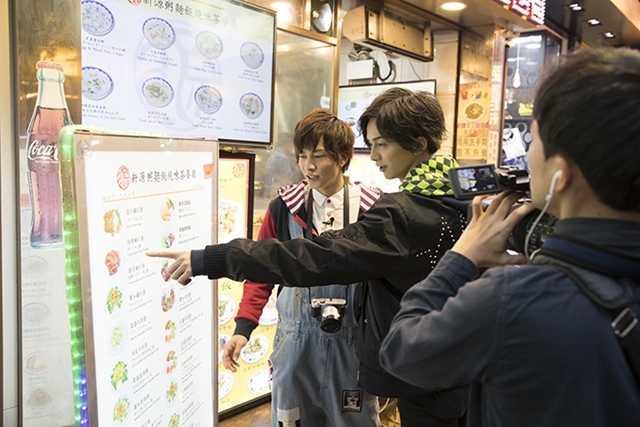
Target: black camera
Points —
{"points": [[470, 181], [329, 311]]}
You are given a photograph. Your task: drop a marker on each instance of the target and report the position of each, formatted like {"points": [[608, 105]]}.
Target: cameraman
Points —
{"points": [[536, 349]]}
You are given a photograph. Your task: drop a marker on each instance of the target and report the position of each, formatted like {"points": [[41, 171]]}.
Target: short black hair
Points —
{"points": [[403, 116], [322, 125], [588, 111]]}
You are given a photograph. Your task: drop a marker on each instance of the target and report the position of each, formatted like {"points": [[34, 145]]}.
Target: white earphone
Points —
{"points": [[552, 187]]}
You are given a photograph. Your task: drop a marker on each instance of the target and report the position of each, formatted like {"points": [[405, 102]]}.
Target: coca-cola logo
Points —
{"points": [[39, 151], [123, 178]]}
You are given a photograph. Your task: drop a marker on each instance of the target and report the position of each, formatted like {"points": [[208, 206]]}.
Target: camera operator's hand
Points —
{"points": [[484, 240], [231, 352], [180, 269]]}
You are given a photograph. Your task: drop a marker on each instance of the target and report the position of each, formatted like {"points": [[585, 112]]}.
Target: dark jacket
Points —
{"points": [[536, 349], [393, 246]]}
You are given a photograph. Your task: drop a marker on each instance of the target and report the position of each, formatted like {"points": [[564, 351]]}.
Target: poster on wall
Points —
{"points": [[148, 341], [473, 120], [190, 68], [353, 100], [252, 380]]}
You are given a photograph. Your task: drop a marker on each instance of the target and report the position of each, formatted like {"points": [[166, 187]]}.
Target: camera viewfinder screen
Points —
{"points": [[476, 180]]}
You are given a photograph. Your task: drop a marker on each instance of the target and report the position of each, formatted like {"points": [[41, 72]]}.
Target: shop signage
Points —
{"points": [[531, 10]]}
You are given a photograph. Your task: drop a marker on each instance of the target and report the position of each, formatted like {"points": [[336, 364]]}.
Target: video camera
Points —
{"points": [[471, 181]]}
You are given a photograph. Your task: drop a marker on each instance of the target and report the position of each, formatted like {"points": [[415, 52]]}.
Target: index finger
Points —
{"points": [[163, 254]]}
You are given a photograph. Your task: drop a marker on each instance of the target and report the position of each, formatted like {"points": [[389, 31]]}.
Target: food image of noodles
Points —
{"points": [[112, 261], [251, 105], [114, 300], [209, 45], [35, 364], [226, 308], [168, 240], [157, 91], [117, 339], [38, 398], [172, 392], [167, 209], [168, 299], [96, 83], [251, 55], [112, 222], [208, 99], [227, 214], [165, 271], [159, 33], [174, 421], [121, 410], [474, 111], [172, 361], [255, 349], [119, 375], [96, 18], [170, 331]]}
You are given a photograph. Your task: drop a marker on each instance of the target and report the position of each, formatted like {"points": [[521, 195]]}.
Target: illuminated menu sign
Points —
{"points": [[189, 67], [531, 10]]}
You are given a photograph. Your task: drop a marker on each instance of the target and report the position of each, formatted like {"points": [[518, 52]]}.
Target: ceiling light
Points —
{"points": [[533, 46], [575, 7], [453, 6], [608, 35], [593, 22]]}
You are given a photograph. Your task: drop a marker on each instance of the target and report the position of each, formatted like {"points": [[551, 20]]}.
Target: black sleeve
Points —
{"points": [[375, 246]]}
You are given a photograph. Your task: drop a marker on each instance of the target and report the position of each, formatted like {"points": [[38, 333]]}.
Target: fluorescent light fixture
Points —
{"points": [[575, 7], [511, 59], [593, 22], [608, 35], [453, 6], [533, 46], [528, 39]]}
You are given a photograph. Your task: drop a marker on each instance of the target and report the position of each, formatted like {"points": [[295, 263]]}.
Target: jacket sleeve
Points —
{"points": [[255, 295], [375, 246], [445, 332]]}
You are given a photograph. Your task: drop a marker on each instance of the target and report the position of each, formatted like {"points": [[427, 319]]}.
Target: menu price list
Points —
{"points": [[152, 336]]}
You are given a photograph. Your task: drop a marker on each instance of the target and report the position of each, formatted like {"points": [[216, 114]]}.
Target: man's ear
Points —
{"points": [[422, 144]]}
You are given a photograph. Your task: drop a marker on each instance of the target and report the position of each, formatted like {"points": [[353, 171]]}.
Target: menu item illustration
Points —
{"points": [[172, 361], [226, 308], [168, 240], [157, 91], [112, 222], [208, 99], [38, 398], [222, 340], [209, 44], [225, 382], [114, 300], [96, 83], [35, 364], [34, 313], [96, 18], [112, 262], [168, 298], [167, 210], [259, 381], [33, 267], [228, 215], [169, 330], [269, 314], [172, 393], [174, 421], [252, 55], [159, 33], [165, 271], [255, 349], [120, 375], [117, 339], [251, 105], [121, 410], [474, 111]]}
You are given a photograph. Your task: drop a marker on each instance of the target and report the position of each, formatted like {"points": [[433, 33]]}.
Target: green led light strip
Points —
{"points": [[72, 272]]}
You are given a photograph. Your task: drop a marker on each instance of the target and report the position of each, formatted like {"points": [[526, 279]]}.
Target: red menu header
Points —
{"points": [[531, 10]]}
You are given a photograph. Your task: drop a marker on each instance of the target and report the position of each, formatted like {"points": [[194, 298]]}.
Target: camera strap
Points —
{"points": [[603, 275]]}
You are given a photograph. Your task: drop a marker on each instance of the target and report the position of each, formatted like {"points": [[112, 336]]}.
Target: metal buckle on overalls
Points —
{"points": [[633, 321]]}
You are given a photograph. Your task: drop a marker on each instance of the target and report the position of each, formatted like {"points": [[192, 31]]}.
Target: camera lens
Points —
{"points": [[330, 319]]}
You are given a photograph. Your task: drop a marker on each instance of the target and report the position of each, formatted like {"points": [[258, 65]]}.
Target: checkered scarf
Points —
{"points": [[430, 178]]}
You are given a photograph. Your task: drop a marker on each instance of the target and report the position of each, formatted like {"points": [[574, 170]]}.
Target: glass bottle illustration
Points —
{"points": [[49, 116]]}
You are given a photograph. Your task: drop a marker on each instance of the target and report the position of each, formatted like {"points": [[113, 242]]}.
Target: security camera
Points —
{"points": [[509, 43]]}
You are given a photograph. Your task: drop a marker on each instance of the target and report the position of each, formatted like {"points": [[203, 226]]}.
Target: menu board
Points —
{"points": [[473, 120], [252, 380], [191, 68], [151, 339], [353, 100]]}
